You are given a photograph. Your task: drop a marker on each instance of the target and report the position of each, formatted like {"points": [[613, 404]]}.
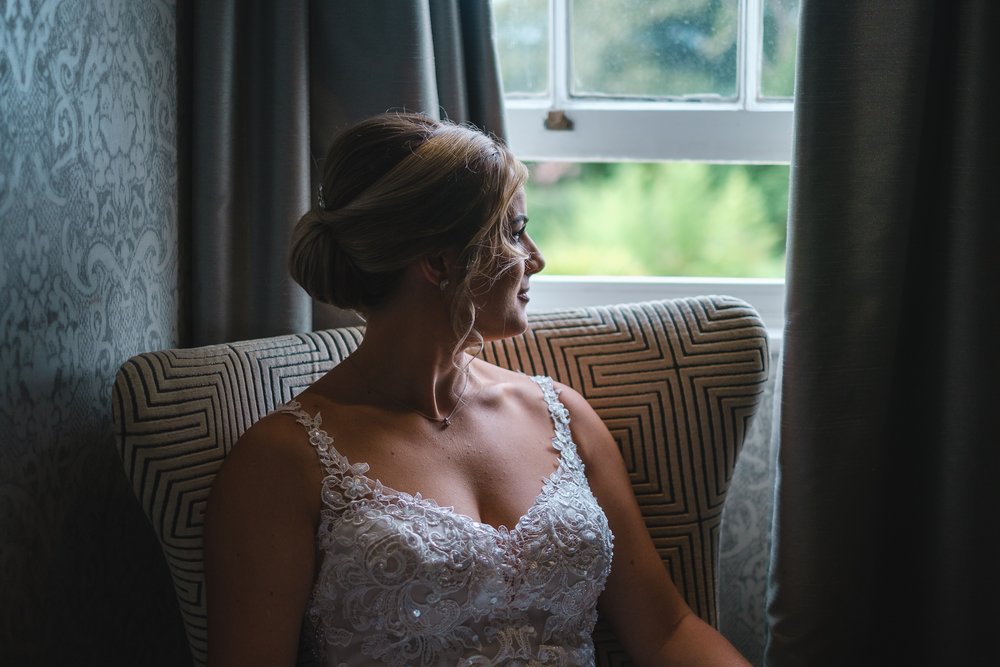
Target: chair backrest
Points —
{"points": [[675, 381]]}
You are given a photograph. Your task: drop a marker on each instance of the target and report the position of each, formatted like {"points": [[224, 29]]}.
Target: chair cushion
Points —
{"points": [[675, 381]]}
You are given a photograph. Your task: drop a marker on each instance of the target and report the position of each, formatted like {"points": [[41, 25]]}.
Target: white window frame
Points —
{"points": [[622, 132], [745, 130]]}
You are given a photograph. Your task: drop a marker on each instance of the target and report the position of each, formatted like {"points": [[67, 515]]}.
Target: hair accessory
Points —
{"points": [[443, 285], [320, 199]]}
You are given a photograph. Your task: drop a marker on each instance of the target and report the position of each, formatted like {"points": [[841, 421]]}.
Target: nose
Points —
{"points": [[536, 262]]}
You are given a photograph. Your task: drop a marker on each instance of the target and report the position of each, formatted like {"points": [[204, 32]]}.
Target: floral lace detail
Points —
{"points": [[404, 581]]}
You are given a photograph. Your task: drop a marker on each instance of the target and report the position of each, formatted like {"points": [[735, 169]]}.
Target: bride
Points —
{"points": [[418, 505]]}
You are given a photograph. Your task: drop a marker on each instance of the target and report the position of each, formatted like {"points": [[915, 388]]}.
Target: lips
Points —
{"points": [[523, 295]]}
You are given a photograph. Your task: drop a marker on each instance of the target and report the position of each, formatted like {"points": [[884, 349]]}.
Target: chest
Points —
{"points": [[377, 542], [489, 469], [400, 570]]}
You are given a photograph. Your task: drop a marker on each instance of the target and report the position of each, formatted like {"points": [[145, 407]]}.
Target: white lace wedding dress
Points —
{"points": [[404, 581]]}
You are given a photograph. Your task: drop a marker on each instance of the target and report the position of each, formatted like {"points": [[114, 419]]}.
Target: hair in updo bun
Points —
{"points": [[396, 188]]}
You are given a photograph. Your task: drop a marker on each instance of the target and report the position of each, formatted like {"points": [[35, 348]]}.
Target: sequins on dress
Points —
{"points": [[404, 581]]}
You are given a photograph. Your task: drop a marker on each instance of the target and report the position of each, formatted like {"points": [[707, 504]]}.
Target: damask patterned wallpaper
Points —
{"points": [[88, 277]]}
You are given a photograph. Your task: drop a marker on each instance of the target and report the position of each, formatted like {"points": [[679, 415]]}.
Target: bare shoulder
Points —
{"points": [[592, 438], [273, 458], [276, 439], [577, 405], [506, 384]]}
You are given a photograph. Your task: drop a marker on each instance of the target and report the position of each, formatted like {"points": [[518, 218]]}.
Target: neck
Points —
{"points": [[413, 367]]}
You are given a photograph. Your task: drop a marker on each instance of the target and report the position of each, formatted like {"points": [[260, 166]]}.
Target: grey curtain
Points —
{"points": [[432, 56], [886, 547], [264, 88]]}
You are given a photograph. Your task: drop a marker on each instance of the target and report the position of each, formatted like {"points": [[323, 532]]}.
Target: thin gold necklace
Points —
{"points": [[444, 421]]}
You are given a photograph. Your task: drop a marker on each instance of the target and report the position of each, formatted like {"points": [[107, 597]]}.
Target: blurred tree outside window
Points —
{"points": [[523, 30], [654, 48], [780, 30], [662, 218], [659, 219]]}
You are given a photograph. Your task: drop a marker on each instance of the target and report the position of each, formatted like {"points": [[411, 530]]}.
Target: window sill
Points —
{"points": [[617, 133]]}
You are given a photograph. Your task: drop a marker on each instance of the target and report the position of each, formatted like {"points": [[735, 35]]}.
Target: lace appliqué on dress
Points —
{"points": [[404, 581]]}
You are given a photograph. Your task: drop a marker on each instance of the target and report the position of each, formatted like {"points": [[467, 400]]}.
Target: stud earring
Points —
{"points": [[443, 285]]}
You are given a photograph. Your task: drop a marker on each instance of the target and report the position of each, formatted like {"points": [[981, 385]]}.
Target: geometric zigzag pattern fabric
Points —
{"points": [[675, 381]]}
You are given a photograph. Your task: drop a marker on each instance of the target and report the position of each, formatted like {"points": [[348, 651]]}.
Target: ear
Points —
{"points": [[440, 266]]}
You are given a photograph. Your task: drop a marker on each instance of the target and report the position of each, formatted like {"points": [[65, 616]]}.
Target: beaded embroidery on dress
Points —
{"points": [[404, 581]]}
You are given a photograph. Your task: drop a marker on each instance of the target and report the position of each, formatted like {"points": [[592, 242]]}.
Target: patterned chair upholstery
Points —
{"points": [[676, 382]]}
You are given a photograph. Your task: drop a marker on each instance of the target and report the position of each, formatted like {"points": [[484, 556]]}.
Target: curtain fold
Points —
{"points": [[467, 65], [248, 175], [884, 550], [265, 88]]}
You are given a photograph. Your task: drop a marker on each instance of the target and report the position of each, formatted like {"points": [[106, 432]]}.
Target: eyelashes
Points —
{"points": [[519, 232]]}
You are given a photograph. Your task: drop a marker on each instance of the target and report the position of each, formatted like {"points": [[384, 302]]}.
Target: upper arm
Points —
{"points": [[647, 612], [640, 601], [260, 553]]}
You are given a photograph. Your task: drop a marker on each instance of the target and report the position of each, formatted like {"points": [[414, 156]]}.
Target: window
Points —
{"points": [[706, 80], [667, 121]]}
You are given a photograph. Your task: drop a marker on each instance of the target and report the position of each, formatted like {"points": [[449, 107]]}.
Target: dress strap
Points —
{"points": [[333, 462], [558, 412], [344, 482]]}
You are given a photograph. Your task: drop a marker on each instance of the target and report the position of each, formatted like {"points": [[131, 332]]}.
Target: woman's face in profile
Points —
{"points": [[501, 310]]}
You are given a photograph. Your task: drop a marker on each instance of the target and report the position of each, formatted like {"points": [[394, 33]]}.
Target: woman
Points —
{"points": [[417, 505]]}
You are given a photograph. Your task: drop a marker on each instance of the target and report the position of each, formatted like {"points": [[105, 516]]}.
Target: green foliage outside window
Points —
{"points": [[655, 48], [780, 31], [660, 219]]}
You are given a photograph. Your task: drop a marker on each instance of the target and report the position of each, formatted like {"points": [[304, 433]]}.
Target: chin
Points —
{"points": [[510, 328], [521, 327]]}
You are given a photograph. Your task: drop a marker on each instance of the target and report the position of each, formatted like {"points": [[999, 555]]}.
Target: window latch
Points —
{"points": [[557, 120]]}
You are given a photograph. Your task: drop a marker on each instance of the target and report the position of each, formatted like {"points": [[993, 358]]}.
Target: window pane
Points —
{"points": [[659, 219], [654, 48], [523, 43], [781, 27]]}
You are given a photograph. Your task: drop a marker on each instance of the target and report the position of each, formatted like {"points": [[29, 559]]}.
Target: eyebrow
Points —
{"points": [[520, 217]]}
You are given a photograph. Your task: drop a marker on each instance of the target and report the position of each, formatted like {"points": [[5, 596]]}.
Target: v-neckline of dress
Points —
{"points": [[384, 491], [376, 487]]}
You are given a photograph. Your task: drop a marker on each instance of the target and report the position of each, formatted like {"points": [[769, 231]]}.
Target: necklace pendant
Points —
{"points": [[446, 422]]}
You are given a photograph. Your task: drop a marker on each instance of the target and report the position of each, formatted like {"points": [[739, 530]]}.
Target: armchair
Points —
{"points": [[676, 382]]}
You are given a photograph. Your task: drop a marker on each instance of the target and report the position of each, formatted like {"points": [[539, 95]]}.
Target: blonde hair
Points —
{"points": [[400, 187]]}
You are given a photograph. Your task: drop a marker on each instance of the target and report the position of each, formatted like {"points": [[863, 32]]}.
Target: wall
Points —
{"points": [[88, 277]]}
